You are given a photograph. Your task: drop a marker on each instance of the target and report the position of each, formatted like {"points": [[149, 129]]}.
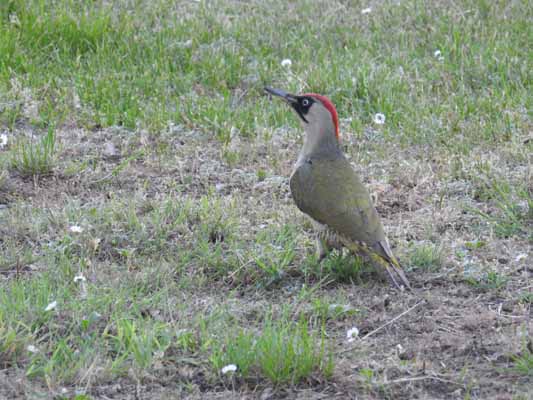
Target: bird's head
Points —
{"points": [[316, 112]]}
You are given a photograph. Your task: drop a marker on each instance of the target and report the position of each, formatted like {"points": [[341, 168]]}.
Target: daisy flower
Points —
{"points": [[229, 368], [51, 306], [352, 333], [286, 63], [379, 119], [3, 140]]}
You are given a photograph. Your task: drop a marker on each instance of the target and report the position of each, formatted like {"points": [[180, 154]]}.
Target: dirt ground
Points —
{"points": [[449, 339]]}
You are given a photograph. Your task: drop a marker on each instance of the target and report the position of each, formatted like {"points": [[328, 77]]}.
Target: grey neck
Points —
{"points": [[319, 145]]}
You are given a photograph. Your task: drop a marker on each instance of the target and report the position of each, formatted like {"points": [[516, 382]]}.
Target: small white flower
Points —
{"points": [[159, 354], [379, 119], [3, 140], [438, 55], [75, 229], [32, 349], [14, 19], [51, 306], [521, 257], [229, 368], [76, 101], [185, 45], [352, 334], [367, 10], [340, 307], [80, 279], [286, 63]]}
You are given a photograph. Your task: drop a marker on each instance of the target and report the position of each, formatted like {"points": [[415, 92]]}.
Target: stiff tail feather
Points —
{"points": [[390, 263], [384, 261], [396, 274], [392, 270]]}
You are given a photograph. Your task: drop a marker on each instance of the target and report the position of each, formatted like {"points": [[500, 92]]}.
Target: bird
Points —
{"points": [[325, 187]]}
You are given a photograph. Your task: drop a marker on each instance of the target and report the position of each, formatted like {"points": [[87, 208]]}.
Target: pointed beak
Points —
{"points": [[289, 98]]}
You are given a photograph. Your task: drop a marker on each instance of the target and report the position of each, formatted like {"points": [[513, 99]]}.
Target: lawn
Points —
{"points": [[149, 245]]}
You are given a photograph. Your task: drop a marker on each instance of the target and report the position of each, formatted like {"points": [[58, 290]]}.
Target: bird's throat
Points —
{"points": [[319, 144]]}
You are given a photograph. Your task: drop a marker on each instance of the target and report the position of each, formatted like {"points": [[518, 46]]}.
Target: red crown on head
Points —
{"points": [[331, 108]]}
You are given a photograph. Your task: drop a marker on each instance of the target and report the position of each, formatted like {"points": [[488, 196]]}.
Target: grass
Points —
{"points": [[338, 267], [427, 257], [3, 179], [523, 363], [324, 309], [277, 257], [512, 206], [105, 65], [283, 352], [30, 158], [192, 255], [526, 297], [489, 280]]}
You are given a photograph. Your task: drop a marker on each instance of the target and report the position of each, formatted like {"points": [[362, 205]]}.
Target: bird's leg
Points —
{"points": [[326, 241], [322, 248], [322, 245]]}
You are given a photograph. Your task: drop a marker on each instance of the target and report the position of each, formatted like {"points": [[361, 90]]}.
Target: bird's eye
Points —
{"points": [[305, 102]]}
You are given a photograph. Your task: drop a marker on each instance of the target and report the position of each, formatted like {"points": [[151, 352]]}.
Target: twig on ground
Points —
{"points": [[393, 320], [383, 326], [422, 378]]}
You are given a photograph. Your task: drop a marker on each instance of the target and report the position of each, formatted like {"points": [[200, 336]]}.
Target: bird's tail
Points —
{"points": [[392, 270], [383, 260]]}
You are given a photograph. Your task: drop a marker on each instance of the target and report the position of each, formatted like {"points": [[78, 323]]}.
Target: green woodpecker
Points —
{"points": [[326, 188]]}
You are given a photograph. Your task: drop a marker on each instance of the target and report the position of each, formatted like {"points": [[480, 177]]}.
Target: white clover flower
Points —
{"points": [[367, 10], [3, 140], [352, 334], [51, 306], [229, 368], [32, 349], [75, 229], [286, 63], [379, 119], [438, 55], [14, 19]]}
